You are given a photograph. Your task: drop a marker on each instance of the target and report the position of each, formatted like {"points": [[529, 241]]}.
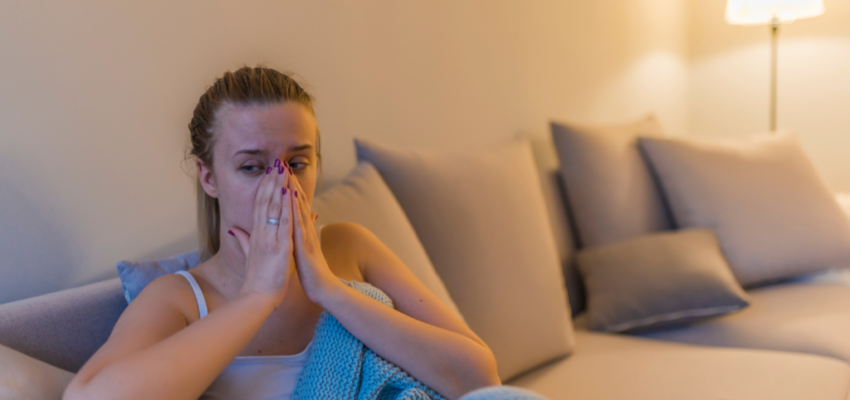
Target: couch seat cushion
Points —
{"points": [[812, 317], [610, 366]]}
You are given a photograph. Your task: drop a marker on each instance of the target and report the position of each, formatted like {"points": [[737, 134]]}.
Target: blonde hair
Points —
{"points": [[246, 86]]}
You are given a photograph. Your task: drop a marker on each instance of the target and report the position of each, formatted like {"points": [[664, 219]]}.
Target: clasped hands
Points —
{"points": [[274, 251]]}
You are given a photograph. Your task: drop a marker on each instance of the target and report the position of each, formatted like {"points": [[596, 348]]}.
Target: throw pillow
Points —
{"points": [[481, 216], [611, 193], [363, 197], [135, 275], [658, 280], [773, 214]]}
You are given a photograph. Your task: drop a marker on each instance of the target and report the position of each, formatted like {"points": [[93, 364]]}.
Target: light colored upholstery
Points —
{"points": [[63, 328], [363, 197], [658, 280], [608, 366], [801, 317], [772, 212], [563, 231], [481, 216], [25, 378], [611, 192]]}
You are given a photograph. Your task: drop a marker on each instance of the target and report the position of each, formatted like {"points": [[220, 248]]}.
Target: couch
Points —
{"points": [[792, 342]]}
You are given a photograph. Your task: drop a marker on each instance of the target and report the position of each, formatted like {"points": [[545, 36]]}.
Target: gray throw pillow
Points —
{"points": [[135, 275], [611, 192], [658, 280], [773, 214], [480, 214]]}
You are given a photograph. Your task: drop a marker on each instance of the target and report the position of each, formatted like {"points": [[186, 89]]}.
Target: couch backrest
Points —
{"points": [[63, 328]]}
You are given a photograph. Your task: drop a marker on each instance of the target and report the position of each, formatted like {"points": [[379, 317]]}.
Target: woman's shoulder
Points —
{"points": [[341, 246], [170, 290]]}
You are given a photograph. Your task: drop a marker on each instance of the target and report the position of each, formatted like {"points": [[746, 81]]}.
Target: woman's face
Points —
{"points": [[248, 140]]}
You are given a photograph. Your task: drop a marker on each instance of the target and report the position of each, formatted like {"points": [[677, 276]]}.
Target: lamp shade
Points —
{"points": [[760, 12]]}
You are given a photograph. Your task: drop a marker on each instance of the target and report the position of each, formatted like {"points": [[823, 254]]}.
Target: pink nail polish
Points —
{"points": [[277, 162], [280, 169], [283, 192], [296, 193], [231, 233], [269, 169]]}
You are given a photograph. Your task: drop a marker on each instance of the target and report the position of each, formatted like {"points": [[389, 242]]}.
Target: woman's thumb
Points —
{"points": [[243, 238]]}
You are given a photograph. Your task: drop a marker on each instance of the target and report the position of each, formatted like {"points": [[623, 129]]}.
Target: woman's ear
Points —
{"points": [[206, 178]]}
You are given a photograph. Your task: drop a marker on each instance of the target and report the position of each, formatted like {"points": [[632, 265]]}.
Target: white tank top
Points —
{"points": [[254, 377]]}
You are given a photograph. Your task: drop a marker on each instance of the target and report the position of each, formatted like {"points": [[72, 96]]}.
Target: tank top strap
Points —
{"points": [[199, 295]]}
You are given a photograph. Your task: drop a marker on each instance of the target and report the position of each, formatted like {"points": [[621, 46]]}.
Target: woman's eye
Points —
{"points": [[250, 168], [295, 165]]}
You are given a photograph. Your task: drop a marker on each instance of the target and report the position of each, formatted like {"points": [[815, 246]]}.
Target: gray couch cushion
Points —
{"points": [[772, 212], [612, 193], [800, 317], [481, 217], [606, 366], [63, 328], [135, 275], [658, 280]]}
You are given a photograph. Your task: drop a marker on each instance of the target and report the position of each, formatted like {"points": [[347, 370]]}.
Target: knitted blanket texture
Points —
{"points": [[341, 367]]}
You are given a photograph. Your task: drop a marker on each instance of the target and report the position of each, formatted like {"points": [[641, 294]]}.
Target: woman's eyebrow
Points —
{"points": [[260, 151], [249, 151]]}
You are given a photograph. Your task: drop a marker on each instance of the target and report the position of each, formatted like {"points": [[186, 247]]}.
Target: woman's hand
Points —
{"points": [[316, 277], [269, 262]]}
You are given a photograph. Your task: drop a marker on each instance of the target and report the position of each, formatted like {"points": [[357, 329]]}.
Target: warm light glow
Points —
{"points": [[759, 12]]}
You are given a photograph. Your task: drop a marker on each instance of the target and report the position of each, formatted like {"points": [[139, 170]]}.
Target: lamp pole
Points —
{"points": [[774, 29]]}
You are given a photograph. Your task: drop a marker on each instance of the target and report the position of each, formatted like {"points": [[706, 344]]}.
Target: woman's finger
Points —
{"points": [[284, 232], [300, 232], [304, 210], [279, 172], [261, 200], [243, 238]]}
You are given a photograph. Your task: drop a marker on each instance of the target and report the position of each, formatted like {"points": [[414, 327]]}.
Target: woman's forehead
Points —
{"points": [[274, 127]]}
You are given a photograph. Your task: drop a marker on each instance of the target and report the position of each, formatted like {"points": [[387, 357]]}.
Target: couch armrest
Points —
{"points": [[63, 328]]}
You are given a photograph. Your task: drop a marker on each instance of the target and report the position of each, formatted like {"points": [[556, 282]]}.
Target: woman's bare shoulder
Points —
{"points": [[156, 313], [341, 248], [170, 290]]}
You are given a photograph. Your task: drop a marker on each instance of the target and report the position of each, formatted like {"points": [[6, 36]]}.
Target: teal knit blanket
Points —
{"points": [[341, 367]]}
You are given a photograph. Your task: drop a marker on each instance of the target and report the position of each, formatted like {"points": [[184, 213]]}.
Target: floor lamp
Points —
{"points": [[773, 13]]}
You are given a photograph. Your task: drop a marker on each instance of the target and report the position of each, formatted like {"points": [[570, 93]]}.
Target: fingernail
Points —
{"points": [[277, 162], [296, 193], [231, 233], [269, 169], [280, 169], [283, 191]]}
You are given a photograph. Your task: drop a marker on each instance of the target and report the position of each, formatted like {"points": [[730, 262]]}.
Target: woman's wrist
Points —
{"points": [[256, 300], [331, 294]]}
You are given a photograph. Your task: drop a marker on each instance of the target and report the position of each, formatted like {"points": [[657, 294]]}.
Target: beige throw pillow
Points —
{"points": [[611, 192], [25, 378], [658, 280], [773, 214], [481, 216], [363, 197]]}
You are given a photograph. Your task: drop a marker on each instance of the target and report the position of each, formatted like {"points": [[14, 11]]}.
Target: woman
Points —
{"points": [[266, 278]]}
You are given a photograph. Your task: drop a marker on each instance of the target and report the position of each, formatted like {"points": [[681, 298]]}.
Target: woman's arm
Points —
{"points": [[421, 335], [152, 354]]}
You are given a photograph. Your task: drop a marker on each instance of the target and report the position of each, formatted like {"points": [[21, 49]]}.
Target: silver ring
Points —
{"points": [[274, 221]]}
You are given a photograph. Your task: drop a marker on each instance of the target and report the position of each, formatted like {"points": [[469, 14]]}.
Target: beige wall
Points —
{"points": [[95, 97], [729, 81]]}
